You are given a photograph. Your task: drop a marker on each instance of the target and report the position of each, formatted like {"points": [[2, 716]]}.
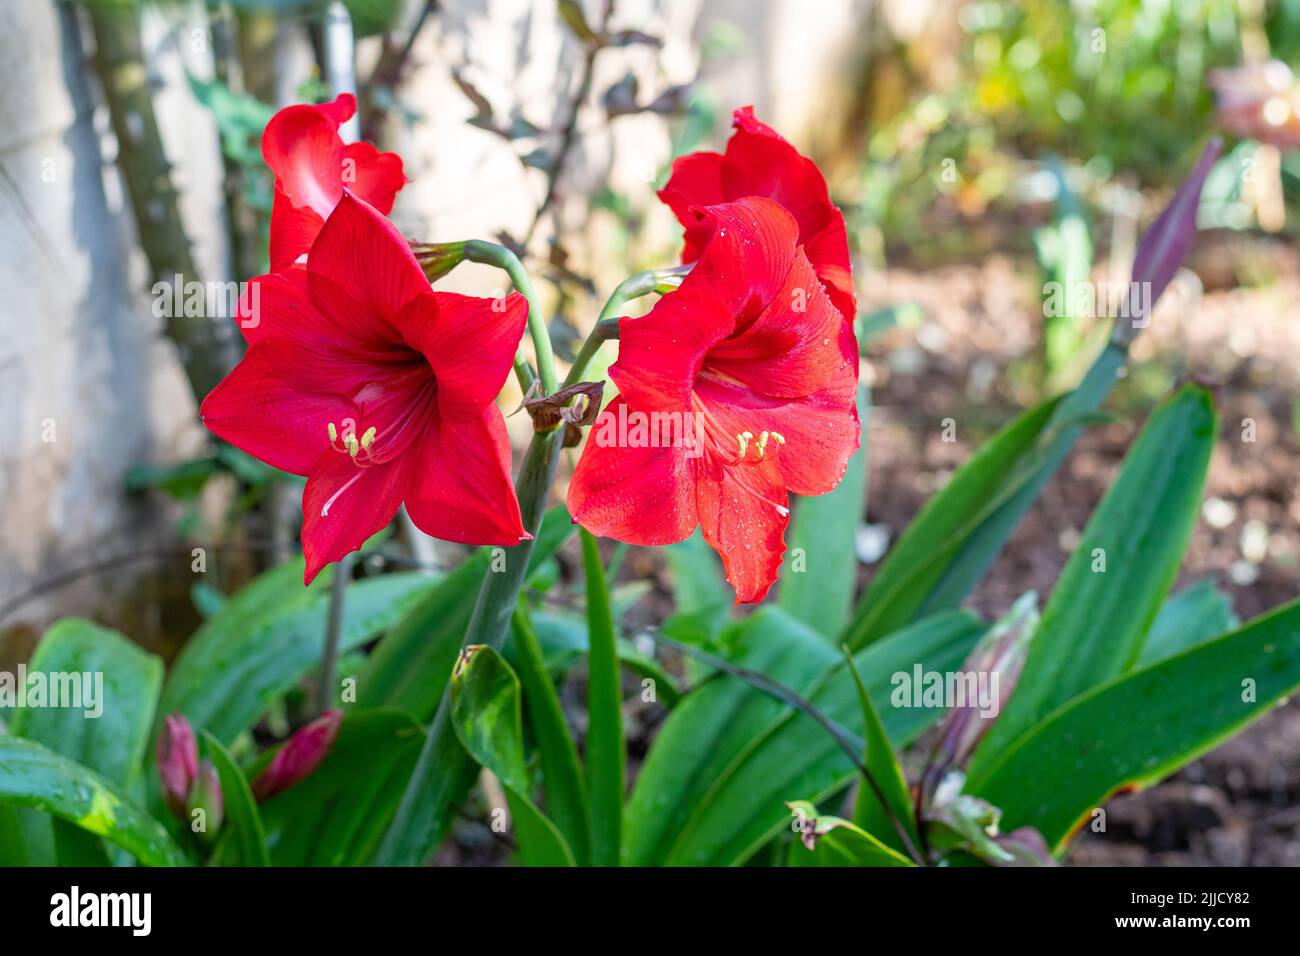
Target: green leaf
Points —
{"points": [[336, 816], [410, 667], [226, 678], [914, 567], [1094, 624], [562, 777], [1069, 764], [240, 809], [485, 713], [836, 842], [702, 597], [563, 641], [114, 742], [34, 776], [869, 812], [714, 786], [606, 754], [1197, 613], [823, 531]]}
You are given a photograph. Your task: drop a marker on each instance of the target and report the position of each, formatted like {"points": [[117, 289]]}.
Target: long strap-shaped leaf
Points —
{"points": [[821, 572], [1112, 587], [1142, 726], [606, 756], [562, 779]]}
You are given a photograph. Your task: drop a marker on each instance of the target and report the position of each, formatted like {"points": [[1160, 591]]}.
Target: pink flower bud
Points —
{"points": [[299, 757], [178, 762]]}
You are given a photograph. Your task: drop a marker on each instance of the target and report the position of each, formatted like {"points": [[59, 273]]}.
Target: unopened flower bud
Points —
{"points": [[178, 762], [299, 757], [438, 258]]}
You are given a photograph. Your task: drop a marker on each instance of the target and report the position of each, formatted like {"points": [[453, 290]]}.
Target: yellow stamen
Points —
{"points": [[333, 432], [780, 439], [762, 443], [352, 444], [368, 438], [744, 438]]}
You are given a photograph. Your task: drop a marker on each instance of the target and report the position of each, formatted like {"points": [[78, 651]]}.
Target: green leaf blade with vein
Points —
{"points": [[338, 814], [1095, 622], [605, 751], [485, 712], [241, 811], [878, 818], [726, 743], [224, 681], [915, 565], [562, 778], [1073, 761], [1195, 614], [823, 531], [35, 776], [113, 743], [410, 666]]}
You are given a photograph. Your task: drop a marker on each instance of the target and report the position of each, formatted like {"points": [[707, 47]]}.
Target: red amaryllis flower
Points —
{"points": [[759, 162], [312, 167], [737, 388], [377, 388]]}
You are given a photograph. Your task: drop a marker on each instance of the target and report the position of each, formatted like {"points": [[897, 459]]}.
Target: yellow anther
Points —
{"points": [[762, 443], [352, 444], [780, 439], [743, 438], [368, 438], [333, 432]]}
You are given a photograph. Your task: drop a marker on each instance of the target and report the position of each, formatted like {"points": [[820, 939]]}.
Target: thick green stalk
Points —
{"points": [[444, 771], [491, 254]]}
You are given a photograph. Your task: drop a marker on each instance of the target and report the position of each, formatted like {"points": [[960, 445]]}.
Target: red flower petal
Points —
{"points": [[301, 144], [660, 354], [293, 229], [470, 343], [460, 487], [821, 431], [344, 504], [696, 180], [372, 176], [254, 409], [743, 513], [641, 495], [759, 162], [365, 254], [749, 257], [797, 345]]}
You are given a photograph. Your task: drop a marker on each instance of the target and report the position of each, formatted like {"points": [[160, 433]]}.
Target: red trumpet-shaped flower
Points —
{"points": [[312, 167], [737, 388], [759, 162], [378, 389]]}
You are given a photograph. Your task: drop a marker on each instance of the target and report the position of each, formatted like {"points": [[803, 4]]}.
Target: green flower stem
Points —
{"points": [[491, 254], [633, 287]]}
